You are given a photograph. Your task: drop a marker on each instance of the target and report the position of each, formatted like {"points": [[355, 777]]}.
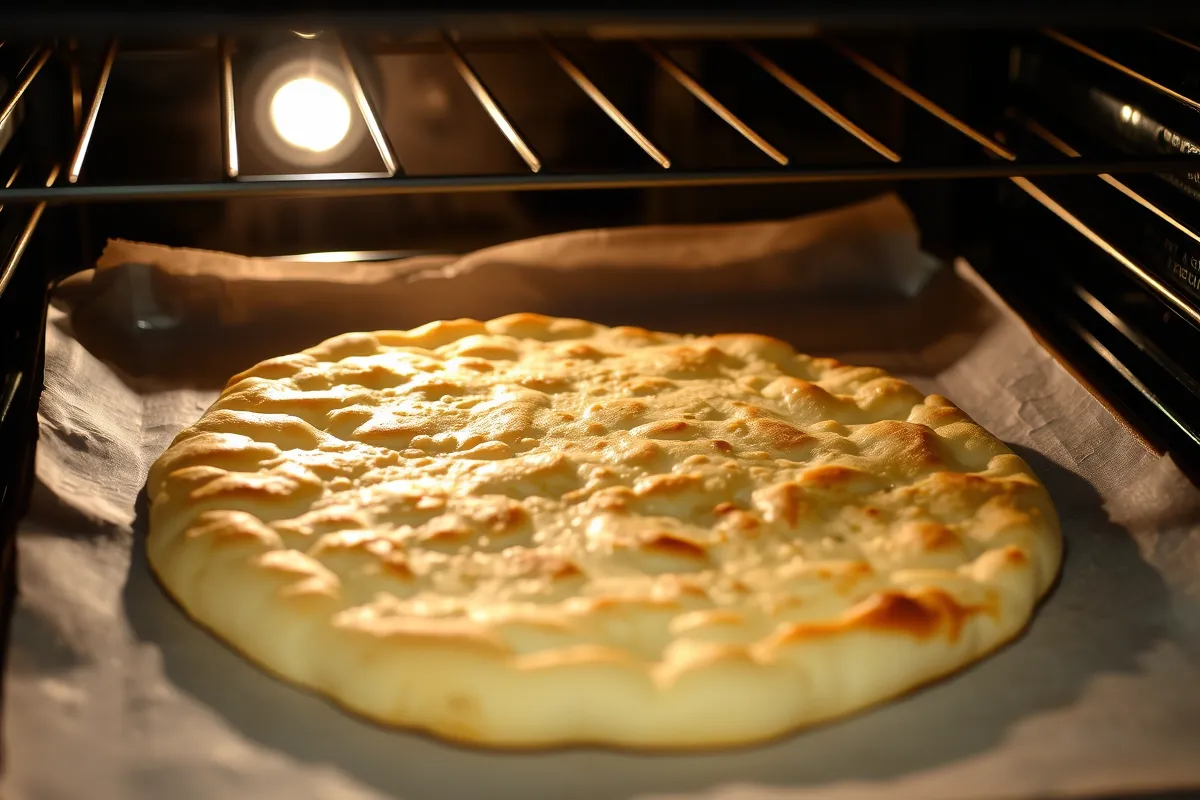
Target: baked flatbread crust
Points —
{"points": [[537, 531]]}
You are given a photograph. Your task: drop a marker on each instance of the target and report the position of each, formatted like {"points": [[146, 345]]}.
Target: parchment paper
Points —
{"points": [[112, 693]]}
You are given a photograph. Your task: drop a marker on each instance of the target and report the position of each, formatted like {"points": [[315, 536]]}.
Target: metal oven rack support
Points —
{"points": [[885, 163]]}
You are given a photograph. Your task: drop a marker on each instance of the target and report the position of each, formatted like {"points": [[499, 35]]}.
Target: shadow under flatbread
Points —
{"points": [[1082, 630]]}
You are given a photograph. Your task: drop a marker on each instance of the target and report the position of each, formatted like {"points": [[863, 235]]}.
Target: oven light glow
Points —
{"points": [[310, 114], [1131, 114]]}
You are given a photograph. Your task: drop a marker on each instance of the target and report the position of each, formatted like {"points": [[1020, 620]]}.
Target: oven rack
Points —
{"points": [[64, 184], [883, 162]]}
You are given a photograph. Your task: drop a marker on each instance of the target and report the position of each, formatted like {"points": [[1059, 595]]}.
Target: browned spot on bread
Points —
{"points": [[688, 361], [646, 386], [920, 614], [565, 570], [832, 477], [1015, 556], [779, 435], [748, 410], [845, 569], [904, 446], [584, 351], [934, 536], [631, 332], [397, 566], [721, 509], [722, 445], [784, 501], [474, 364], [618, 413], [670, 545], [348, 541], [670, 483], [640, 453], [614, 498], [743, 521], [938, 415], [446, 535], [522, 323], [577, 495], [275, 368], [664, 429], [504, 518], [527, 563], [952, 482]]}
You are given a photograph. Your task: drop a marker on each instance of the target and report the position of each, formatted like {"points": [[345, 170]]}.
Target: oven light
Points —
{"points": [[310, 114], [1131, 114]]}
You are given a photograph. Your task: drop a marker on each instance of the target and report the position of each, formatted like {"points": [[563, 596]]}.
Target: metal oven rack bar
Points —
{"points": [[493, 109], [390, 179], [229, 142], [1004, 162], [583, 82], [687, 81]]}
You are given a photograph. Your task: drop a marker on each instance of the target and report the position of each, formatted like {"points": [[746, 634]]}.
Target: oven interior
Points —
{"points": [[1057, 161]]}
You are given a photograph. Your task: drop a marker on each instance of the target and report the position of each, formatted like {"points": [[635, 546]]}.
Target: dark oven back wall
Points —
{"points": [[161, 120]]}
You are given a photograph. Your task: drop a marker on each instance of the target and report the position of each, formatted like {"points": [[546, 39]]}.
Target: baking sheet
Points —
{"points": [[112, 693]]}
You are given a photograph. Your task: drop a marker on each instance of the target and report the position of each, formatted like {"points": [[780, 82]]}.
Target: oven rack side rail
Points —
{"points": [[880, 162]]}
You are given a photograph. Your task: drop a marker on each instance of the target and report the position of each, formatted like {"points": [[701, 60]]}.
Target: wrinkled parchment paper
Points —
{"points": [[112, 693]]}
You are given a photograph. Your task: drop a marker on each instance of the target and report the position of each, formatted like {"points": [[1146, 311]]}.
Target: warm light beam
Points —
{"points": [[310, 114]]}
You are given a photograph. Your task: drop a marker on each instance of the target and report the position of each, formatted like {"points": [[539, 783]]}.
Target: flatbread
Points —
{"points": [[537, 531]]}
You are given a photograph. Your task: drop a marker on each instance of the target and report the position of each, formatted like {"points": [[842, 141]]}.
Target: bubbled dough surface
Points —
{"points": [[536, 531]]}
